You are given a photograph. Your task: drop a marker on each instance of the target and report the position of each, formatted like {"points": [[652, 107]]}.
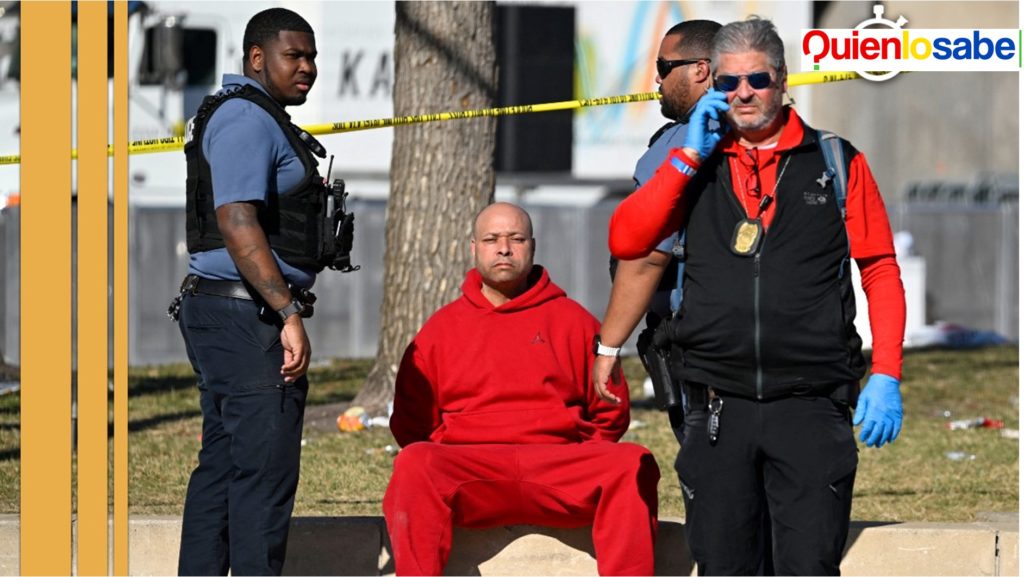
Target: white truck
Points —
{"points": [[178, 52]]}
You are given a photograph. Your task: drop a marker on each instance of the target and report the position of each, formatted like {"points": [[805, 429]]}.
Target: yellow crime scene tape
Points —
{"points": [[178, 142]]}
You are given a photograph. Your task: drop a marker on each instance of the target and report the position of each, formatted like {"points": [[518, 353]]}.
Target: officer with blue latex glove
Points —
{"points": [[776, 442], [700, 137], [880, 408]]}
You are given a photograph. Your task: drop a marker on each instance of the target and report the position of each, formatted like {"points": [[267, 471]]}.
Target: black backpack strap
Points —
{"points": [[835, 161], [679, 253]]}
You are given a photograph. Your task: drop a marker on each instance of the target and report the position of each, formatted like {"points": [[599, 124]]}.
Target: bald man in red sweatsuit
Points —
{"points": [[499, 422]]}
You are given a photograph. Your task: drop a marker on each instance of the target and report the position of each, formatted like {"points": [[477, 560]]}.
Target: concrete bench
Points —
{"points": [[359, 546]]}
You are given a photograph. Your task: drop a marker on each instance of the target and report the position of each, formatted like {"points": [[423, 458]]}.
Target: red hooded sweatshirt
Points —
{"points": [[518, 373]]}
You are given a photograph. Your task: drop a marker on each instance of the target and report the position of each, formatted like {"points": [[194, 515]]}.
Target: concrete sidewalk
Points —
{"points": [[359, 546]]}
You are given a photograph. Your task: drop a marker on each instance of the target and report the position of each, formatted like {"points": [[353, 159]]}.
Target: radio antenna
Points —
{"points": [[330, 166]]}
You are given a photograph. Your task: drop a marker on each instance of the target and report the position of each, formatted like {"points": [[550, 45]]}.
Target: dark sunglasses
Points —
{"points": [[666, 66], [730, 82]]}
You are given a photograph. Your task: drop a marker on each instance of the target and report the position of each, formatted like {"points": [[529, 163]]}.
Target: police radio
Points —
{"points": [[338, 226]]}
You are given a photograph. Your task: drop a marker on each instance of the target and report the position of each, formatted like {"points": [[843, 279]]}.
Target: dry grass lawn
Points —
{"points": [[346, 473]]}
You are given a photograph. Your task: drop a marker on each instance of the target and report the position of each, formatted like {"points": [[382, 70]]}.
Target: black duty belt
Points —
{"points": [[218, 288], [237, 290], [696, 396]]}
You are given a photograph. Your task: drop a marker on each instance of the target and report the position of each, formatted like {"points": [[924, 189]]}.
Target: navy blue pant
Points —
{"points": [[795, 456], [240, 496]]}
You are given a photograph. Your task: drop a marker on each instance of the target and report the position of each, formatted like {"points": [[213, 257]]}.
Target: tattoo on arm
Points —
{"points": [[248, 246]]}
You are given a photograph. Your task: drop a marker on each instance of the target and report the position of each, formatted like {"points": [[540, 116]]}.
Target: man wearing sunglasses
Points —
{"points": [[683, 76], [767, 329]]}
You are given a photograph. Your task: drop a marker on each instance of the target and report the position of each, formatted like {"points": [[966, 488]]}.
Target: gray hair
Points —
{"points": [[754, 34]]}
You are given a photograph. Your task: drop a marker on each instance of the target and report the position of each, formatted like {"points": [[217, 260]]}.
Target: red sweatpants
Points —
{"points": [[614, 486]]}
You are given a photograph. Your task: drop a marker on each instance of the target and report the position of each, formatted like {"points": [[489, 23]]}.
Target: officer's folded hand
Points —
{"points": [[699, 136], [880, 408], [296, 349], [606, 372]]}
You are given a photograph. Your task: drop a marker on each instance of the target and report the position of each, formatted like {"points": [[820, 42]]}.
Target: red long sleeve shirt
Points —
{"points": [[657, 209]]}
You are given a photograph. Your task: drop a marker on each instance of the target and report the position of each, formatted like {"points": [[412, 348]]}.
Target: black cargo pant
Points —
{"points": [[794, 455], [239, 501]]}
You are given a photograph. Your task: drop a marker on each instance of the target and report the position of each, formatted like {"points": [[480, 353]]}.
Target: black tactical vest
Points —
{"points": [[781, 321], [291, 220]]}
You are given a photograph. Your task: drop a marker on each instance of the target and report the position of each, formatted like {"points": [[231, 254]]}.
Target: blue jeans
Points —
{"points": [[239, 501]]}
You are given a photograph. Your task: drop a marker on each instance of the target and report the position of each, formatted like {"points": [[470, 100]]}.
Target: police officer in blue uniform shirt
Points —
{"points": [[252, 186], [684, 75]]}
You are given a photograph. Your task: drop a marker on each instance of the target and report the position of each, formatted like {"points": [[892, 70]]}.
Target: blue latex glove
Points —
{"points": [[880, 408], [698, 136]]}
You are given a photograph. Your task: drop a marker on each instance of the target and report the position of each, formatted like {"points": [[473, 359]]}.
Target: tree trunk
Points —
{"points": [[442, 173]]}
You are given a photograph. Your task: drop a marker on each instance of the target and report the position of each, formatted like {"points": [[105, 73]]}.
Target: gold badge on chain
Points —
{"points": [[746, 237]]}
